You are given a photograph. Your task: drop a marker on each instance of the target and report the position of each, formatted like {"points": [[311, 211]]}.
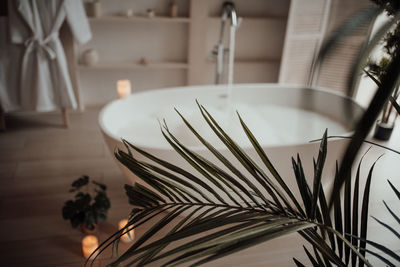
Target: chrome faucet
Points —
{"points": [[228, 10]]}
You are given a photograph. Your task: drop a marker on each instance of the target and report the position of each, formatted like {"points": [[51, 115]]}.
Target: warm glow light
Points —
{"points": [[89, 244], [128, 237], [123, 88]]}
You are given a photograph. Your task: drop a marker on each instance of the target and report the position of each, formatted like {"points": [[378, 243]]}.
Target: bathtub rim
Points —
{"points": [[201, 147]]}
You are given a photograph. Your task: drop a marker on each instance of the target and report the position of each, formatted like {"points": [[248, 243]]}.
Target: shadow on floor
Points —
{"points": [[18, 122], [69, 244]]}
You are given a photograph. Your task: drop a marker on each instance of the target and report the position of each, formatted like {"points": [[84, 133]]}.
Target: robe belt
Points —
{"points": [[42, 44]]}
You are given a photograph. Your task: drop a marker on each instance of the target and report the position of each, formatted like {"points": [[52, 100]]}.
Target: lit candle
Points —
{"points": [[89, 244], [123, 88], [129, 236]]}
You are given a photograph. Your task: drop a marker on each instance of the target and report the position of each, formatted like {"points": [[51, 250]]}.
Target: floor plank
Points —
{"points": [[39, 159]]}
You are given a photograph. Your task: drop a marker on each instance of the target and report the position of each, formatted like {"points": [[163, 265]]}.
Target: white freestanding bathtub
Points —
{"points": [[283, 118]]}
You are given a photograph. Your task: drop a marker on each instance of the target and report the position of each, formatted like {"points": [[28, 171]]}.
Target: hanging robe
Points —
{"points": [[43, 81]]}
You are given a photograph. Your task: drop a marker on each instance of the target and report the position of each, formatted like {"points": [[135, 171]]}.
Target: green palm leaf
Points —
{"points": [[388, 227], [380, 247], [298, 264], [314, 262], [194, 210], [383, 249], [395, 104], [382, 258]]}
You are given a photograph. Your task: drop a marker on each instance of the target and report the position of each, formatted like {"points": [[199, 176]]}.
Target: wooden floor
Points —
{"points": [[39, 159]]}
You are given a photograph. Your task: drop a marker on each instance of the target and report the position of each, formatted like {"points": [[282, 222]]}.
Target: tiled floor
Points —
{"points": [[39, 159]]}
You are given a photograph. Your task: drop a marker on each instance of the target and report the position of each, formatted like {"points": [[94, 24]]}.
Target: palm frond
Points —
{"points": [[348, 225], [372, 77], [270, 167], [394, 189], [379, 247], [319, 259], [392, 213], [215, 213], [298, 264], [388, 227], [382, 258], [354, 226], [318, 167], [347, 215], [194, 210], [383, 249], [313, 261], [395, 104], [365, 141], [364, 211]]}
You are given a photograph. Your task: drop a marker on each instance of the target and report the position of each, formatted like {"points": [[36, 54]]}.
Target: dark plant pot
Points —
{"points": [[86, 230], [383, 131]]}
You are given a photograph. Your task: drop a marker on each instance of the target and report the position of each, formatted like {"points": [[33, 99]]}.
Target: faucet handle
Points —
{"points": [[239, 21], [214, 52]]}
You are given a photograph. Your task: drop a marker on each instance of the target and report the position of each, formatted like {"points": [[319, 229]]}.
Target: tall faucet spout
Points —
{"points": [[228, 8], [228, 11]]}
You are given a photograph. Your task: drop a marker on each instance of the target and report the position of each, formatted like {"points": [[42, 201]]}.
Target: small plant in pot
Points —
{"points": [[385, 125], [89, 206], [376, 69]]}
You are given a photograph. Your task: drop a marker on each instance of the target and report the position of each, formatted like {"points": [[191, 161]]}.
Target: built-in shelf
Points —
{"points": [[130, 65], [159, 19], [251, 61], [257, 61], [255, 19]]}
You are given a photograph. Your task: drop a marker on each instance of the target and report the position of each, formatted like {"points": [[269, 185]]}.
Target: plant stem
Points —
{"points": [[389, 81]]}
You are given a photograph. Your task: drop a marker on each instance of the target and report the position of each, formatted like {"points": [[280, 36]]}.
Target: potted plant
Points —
{"points": [[376, 69], [89, 206]]}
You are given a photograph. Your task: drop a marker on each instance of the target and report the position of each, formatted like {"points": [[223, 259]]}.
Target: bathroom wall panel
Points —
{"points": [[256, 72], [122, 42], [300, 54], [342, 9], [253, 8], [334, 72], [308, 17], [253, 38], [306, 28], [309, 23], [197, 41], [139, 7], [99, 86], [258, 42], [129, 41], [249, 72]]}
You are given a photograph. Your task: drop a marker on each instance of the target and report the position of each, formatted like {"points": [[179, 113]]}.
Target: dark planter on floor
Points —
{"points": [[383, 131], [88, 231]]}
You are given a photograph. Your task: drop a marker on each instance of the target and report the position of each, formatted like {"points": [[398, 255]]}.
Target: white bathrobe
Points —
{"points": [[43, 81]]}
